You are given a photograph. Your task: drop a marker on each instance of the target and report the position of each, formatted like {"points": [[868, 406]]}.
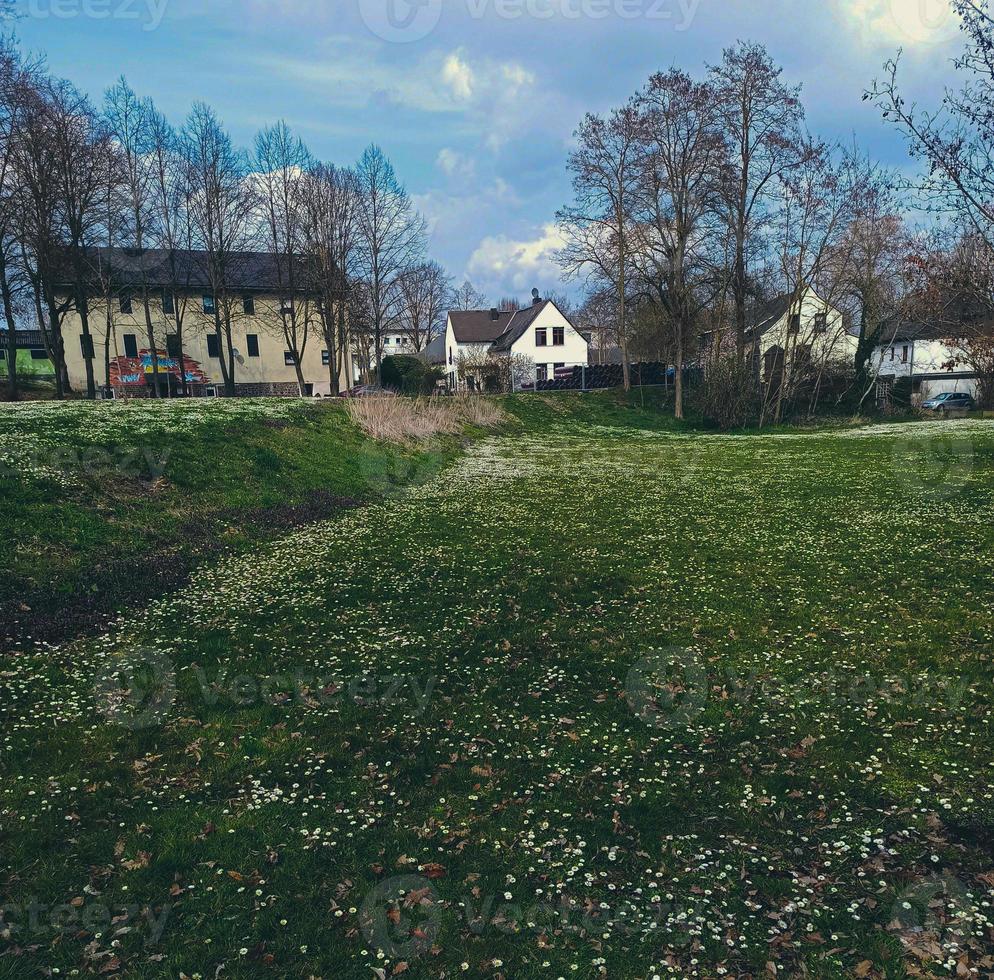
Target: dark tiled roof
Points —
{"points": [[520, 322], [249, 271], [769, 314], [477, 327]]}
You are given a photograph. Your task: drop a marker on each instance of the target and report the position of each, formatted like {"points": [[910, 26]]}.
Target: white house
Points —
{"points": [[799, 328], [536, 340], [921, 352]]}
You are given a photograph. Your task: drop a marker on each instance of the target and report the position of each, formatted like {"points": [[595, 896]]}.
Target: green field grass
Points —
{"points": [[604, 696]]}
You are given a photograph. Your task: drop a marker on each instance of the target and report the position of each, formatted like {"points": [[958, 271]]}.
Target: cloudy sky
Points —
{"points": [[475, 101]]}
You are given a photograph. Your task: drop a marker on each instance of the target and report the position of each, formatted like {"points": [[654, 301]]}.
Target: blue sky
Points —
{"points": [[475, 101]]}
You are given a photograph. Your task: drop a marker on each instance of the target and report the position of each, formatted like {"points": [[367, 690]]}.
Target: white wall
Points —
{"points": [[574, 352]]}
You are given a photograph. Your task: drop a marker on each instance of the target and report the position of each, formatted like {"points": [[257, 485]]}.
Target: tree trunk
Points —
{"points": [[152, 349], [83, 308], [8, 311], [678, 375]]}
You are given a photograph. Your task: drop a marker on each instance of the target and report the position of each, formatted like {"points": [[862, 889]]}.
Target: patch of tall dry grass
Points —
{"points": [[409, 420]]}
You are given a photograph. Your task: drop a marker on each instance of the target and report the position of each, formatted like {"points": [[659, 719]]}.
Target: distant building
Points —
{"points": [[263, 365], [796, 330], [533, 342]]}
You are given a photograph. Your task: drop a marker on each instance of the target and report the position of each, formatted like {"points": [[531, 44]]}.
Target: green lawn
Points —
{"points": [[607, 697]]}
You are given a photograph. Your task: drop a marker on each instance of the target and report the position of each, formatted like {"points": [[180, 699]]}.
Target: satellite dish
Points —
{"points": [[535, 294]]}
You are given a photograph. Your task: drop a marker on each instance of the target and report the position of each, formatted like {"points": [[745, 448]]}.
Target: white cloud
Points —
{"points": [[454, 164], [458, 76], [910, 22], [515, 266]]}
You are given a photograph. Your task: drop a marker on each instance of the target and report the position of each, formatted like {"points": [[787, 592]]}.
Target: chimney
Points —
{"points": [[494, 314]]}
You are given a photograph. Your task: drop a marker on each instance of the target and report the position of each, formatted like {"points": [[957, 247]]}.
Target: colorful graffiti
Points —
{"points": [[138, 371]]}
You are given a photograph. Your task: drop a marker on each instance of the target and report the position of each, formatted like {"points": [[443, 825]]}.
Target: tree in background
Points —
{"points": [[468, 297], [281, 162], [605, 171], [19, 81], [391, 241], [763, 120], [426, 297], [682, 149], [222, 206], [331, 215]]}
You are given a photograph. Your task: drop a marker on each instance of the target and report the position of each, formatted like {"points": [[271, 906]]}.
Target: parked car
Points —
{"points": [[368, 391], [950, 401]]}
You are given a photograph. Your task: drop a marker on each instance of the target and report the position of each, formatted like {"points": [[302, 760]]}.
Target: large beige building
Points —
{"points": [[255, 300]]}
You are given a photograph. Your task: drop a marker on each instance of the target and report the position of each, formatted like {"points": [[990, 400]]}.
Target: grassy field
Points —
{"points": [[603, 698]]}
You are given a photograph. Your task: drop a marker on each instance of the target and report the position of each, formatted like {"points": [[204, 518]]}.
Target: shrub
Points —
{"points": [[409, 375], [727, 397]]}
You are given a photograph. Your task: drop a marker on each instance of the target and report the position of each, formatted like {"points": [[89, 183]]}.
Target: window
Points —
{"points": [[252, 344], [904, 354], [209, 306], [542, 372], [130, 345], [126, 303], [213, 345], [821, 323], [450, 356], [892, 355], [541, 338], [795, 323], [172, 345], [289, 358], [286, 307], [168, 306], [558, 336], [325, 358], [248, 306], [39, 354], [86, 345]]}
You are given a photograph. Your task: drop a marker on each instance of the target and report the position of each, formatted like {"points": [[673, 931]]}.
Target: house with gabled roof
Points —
{"points": [[532, 343], [797, 329]]}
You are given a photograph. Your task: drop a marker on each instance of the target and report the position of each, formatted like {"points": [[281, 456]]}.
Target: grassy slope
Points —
{"points": [[90, 530], [817, 759]]}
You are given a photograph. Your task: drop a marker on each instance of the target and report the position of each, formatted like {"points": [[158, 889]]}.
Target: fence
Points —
{"points": [[599, 376]]}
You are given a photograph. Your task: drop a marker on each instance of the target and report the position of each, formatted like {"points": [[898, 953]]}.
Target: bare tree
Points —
{"points": [[816, 206], [682, 154], [222, 207], [40, 228], [172, 200], [331, 203], [597, 226], [19, 79], [130, 123], [468, 297], [281, 163], [391, 240], [763, 119], [425, 292], [83, 154]]}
